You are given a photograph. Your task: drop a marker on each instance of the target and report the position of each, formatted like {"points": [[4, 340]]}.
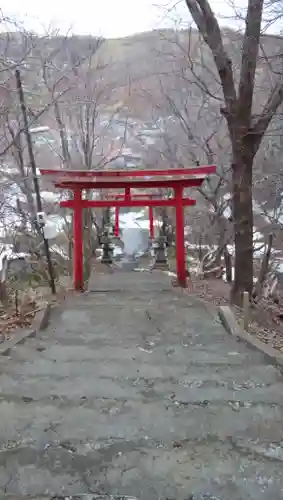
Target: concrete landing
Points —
{"points": [[136, 389]]}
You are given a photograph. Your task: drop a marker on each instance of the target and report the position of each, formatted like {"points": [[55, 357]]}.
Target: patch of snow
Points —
{"points": [[257, 236], [135, 232], [194, 246], [59, 251], [257, 209], [233, 276], [224, 277], [279, 266], [50, 197], [38, 130], [117, 251], [231, 249], [134, 238], [227, 212], [142, 224], [59, 221], [6, 250]]}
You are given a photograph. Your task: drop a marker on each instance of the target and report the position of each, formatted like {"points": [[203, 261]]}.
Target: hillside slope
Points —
{"points": [[135, 65]]}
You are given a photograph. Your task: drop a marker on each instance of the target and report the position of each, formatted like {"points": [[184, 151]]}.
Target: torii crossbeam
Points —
{"points": [[175, 179]]}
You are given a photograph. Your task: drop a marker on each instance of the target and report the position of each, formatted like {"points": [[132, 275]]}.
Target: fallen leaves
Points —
{"points": [[10, 321], [266, 323], [13, 318]]}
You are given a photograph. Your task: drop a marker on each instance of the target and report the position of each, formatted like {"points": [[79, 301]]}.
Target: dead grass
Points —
{"points": [[265, 317], [31, 301]]}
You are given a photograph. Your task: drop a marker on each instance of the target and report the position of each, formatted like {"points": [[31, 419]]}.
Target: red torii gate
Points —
{"points": [[79, 180]]}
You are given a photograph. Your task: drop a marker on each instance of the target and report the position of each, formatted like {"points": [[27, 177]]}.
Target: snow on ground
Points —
{"points": [[257, 209], [60, 251], [134, 226], [59, 220], [6, 251], [135, 231], [134, 223], [50, 197]]}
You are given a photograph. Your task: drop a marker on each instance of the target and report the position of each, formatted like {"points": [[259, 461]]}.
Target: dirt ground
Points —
{"points": [[265, 322]]}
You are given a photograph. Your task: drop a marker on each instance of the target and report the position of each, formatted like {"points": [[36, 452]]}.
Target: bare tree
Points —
{"points": [[194, 133], [84, 117], [246, 128]]}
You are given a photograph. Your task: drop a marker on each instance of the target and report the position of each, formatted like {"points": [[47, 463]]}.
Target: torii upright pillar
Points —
{"points": [[181, 268], [78, 240], [151, 222]]}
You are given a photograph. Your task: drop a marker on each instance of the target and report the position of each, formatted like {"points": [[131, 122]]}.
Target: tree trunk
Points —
{"points": [[243, 227]]}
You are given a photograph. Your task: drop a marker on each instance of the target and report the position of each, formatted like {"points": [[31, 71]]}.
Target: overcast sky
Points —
{"points": [[109, 18]]}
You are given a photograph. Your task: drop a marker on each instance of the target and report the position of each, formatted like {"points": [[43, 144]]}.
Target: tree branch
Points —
{"points": [[274, 101], [34, 119], [209, 28], [249, 60]]}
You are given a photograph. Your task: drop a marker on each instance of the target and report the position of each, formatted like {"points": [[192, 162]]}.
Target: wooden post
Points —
{"points": [[35, 179], [246, 310]]}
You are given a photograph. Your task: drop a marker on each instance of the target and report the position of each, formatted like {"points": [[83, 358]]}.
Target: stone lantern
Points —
{"points": [[159, 250], [107, 248]]}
